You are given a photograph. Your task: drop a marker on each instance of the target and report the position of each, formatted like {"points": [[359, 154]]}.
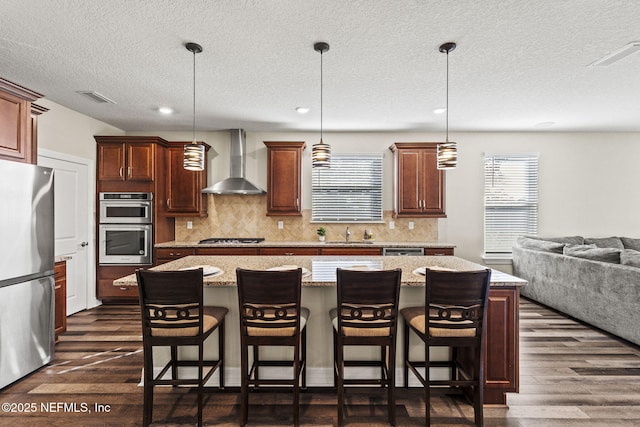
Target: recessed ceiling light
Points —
{"points": [[439, 110], [165, 110], [543, 125], [302, 110], [616, 55]]}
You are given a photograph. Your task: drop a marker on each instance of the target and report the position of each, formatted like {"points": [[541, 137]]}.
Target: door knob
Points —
{"points": [[83, 244]]}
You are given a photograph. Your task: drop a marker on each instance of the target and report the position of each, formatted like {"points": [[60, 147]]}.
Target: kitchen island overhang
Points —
{"points": [[318, 294]]}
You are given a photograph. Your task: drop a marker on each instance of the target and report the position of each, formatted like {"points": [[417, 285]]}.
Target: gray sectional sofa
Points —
{"points": [[593, 280]]}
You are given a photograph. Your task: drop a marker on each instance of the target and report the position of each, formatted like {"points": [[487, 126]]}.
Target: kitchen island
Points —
{"points": [[319, 295]]}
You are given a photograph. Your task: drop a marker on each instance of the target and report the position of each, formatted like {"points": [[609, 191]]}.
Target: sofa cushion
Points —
{"points": [[630, 257], [572, 240], [605, 242], [630, 243], [595, 254], [540, 245]]}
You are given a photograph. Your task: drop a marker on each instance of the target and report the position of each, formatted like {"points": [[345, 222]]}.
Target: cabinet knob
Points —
{"points": [[83, 244]]}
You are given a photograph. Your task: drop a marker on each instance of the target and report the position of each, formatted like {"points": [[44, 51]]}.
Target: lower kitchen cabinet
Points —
{"points": [[164, 255], [227, 251], [351, 251], [289, 251], [60, 292], [107, 292], [438, 251], [502, 370]]}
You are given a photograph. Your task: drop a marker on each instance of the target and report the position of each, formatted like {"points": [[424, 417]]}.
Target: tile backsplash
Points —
{"points": [[246, 216]]}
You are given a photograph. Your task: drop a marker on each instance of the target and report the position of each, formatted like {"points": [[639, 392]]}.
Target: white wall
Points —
{"points": [[67, 131], [587, 185]]}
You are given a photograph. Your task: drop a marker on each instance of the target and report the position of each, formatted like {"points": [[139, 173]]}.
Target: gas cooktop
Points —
{"points": [[220, 240]]}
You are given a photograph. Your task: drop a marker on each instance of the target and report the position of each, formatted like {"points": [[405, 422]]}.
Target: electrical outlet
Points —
{"points": [[189, 225], [410, 225], [280, 225], [392, 225]]}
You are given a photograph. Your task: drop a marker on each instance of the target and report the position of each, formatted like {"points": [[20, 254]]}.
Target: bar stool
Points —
{"points": [[457, 307], [173, 315], [271, 315], [366, 315]]}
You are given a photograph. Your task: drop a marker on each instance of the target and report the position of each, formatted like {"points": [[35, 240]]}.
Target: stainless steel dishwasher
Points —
{"points": [[402, 251]]}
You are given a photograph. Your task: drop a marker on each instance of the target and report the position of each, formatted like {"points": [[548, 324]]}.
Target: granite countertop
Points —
{"points": [[311, 244], [321, 269]]}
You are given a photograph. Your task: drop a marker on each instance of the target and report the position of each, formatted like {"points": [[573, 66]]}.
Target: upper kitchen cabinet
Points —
{"points": [[17, 127], [184, 187], [284, 178], [126, 158], [418, 184]]}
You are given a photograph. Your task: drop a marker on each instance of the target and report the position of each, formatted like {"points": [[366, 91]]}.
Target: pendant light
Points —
{"points": [[321, 152], [194, 152], [447, 151]]}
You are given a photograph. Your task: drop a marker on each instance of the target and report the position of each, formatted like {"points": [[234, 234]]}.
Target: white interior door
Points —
{"points": [[72, 219]]}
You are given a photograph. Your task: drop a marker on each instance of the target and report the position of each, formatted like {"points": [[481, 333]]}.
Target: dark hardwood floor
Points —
{"points": [[571, 375]]}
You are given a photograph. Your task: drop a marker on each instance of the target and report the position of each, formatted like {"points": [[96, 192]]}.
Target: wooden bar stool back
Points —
{"points": [[271, 315], [173, 315], [366, 315], [455, 316]]}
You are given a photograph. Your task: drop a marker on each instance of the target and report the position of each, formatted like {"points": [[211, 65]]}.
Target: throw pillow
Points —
{"points": [[572, 240], [630, 257], [630, 243], [606, 242], [595, 254], [540, 245]]}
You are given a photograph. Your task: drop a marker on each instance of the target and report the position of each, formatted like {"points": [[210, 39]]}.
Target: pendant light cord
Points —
{"points": [[194, 96], [447, 106], [321, 92]]}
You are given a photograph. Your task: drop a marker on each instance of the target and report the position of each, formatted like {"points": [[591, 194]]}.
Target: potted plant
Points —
{"points": [[321, 233]]}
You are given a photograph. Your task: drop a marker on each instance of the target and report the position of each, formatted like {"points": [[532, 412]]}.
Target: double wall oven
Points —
{"points": [[126, 228]]}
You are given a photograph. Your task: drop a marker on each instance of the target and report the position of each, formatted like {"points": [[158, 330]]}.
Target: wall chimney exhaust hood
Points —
{"points": [[236, 183]]}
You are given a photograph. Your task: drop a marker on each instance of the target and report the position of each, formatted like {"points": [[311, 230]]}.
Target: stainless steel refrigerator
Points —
{"points": [[26, 269]]}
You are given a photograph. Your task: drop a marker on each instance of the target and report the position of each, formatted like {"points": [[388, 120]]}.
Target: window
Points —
{"points": [[510, 200], [349, 191]]}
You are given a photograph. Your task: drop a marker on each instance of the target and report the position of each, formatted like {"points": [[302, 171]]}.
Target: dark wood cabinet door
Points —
{"points": [[107, 292], [351, 251], [284, 178], [409, 182], [60, 310], [164, 255], [15, 130], [289, 251], [227, 251], [432, 184], [438, 251], [501, 362], [140, 161], [184, 187], [111, 161], [418, 184]]}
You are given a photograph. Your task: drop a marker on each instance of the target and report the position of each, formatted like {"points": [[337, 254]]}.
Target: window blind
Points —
{"points": [[351, 190], [510, 200]]}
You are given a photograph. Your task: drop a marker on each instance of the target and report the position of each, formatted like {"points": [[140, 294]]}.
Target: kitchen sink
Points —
{"points": [[350, 242]]}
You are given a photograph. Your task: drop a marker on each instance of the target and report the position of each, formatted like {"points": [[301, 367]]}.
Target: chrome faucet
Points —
{"points": [[347, 234]]}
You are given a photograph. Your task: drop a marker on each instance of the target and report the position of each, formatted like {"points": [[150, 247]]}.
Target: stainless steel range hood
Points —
{"points": [[236, 183]]}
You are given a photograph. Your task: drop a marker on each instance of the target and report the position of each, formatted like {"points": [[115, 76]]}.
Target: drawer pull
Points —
{"points": [[124, 288], [288, 253]]}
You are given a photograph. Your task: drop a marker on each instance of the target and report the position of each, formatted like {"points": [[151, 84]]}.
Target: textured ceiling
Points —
{"points": [[518, 63]]}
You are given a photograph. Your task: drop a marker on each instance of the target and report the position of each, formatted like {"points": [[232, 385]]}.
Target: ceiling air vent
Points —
{"points": [[616, 55], [96, 97]]}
